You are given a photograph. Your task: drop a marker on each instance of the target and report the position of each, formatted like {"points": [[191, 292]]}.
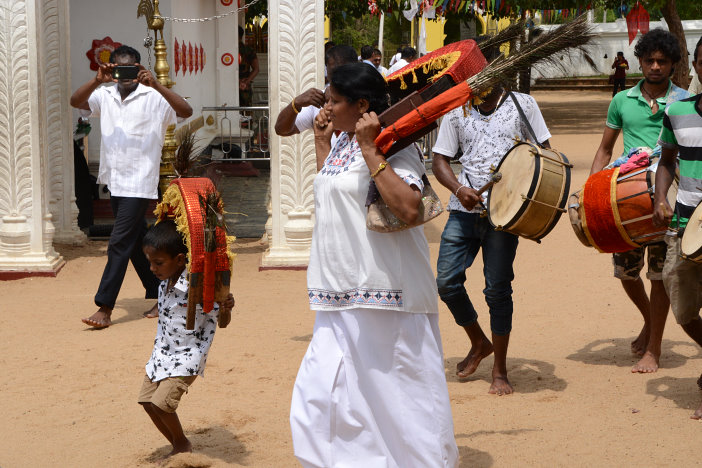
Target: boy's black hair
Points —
{"points": [[658, 40], [408, 53], [359, 80], [697, 47], [377, 52], [341, 54], [366, 52], [164, 236], [241, 32], [125, 50]]}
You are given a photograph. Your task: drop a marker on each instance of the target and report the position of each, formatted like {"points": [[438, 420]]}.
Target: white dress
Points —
{"points": [[371, 390]]}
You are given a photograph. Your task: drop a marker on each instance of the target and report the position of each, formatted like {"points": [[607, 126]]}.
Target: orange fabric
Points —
{"points": [[424, 115], [600, 219]]}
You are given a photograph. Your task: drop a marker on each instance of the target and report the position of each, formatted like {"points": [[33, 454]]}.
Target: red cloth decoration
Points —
{"points": [[599, 219], [100, 51], [202, 58], [424, 115], [183, 57], [637, 20], [196, 59]]}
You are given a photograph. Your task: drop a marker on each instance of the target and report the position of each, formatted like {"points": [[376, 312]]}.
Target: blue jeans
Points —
{"points": [[463, 236]]}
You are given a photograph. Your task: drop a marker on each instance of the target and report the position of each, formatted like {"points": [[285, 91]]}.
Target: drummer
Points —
{"points": [[638, 113], [481, 135], [681, 136]]}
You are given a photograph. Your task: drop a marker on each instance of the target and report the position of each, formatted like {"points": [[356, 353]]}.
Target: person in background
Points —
{"points": [[376, 61], [620, 67], [248, 69], [408, 54], [695, 84], [134, 115]]}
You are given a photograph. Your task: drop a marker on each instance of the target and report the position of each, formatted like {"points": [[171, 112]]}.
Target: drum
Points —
{"points": [[615, 213], [691, 244], [574, 216], [532, 194]]}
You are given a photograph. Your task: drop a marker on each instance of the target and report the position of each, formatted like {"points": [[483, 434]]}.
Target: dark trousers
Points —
{"points": [[464, 235], [125, 245], [619, 85]]}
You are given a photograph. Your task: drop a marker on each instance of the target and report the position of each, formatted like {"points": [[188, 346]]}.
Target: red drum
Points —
{"points": [[616, 211]]}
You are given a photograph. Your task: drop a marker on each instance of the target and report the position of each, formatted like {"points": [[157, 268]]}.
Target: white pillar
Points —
{"points": [[55, 65], [26, 227], [295, 63]]}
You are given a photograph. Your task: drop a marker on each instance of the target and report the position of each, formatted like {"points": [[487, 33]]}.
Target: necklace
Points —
{"points": [[651, 97]]}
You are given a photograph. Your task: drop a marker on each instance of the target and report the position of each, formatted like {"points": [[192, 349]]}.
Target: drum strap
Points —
{"points": [[524, 118]]}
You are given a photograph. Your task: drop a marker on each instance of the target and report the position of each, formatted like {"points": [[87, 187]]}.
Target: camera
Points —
{"points": [[125, 72]]}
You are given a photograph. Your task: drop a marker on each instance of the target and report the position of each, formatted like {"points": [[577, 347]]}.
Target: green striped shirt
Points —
{"points": [[682, 130]]}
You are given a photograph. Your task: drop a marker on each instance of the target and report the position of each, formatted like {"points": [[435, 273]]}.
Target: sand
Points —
{"points": [[68, 396]]}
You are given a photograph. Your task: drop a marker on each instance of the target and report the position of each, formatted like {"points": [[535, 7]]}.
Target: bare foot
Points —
{"points": [[100, 319], [500, 385], [697, 414], [647, 364], [638, 346], [475, 355], [152, 312], [183, 448]]}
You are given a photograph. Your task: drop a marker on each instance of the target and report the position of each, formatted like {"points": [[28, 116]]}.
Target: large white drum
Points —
{"points": [[532, 194]]}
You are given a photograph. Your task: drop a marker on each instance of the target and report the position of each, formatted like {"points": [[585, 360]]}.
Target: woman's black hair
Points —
{"points": [[164, 236], [697, 47], [360, 80], [658, 40], [125, 50]]}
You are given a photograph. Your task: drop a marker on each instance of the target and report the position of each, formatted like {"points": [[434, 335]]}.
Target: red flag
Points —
{"points": [[190, 58]]}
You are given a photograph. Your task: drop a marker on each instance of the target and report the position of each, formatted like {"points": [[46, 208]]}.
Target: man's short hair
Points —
{"points": [[658, 40], [341, 54], [377, 52], [408, 53], [366, 52], [620, 53], [164, 236], [125, 50]]}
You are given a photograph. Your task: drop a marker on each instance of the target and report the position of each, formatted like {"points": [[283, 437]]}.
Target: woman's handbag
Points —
{"points": [[381, 219]]}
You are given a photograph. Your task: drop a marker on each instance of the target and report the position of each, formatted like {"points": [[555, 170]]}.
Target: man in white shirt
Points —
{"points": [[396, 57], [134, 115], [482, 135], [376, 58], [299, 115], [408, 54]]}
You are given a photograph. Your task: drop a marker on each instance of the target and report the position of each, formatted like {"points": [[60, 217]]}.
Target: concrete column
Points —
{"points": [[26, 223], [55, 65], [295, 63]]}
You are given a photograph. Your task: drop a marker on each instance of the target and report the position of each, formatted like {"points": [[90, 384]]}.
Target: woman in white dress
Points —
{"points": [[371, 390]]}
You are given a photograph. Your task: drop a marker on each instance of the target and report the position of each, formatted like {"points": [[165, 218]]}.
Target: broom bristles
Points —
{"points": [[571, 36]]}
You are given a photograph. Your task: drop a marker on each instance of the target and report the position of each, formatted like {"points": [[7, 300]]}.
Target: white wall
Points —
{"points": [[611, 38]]}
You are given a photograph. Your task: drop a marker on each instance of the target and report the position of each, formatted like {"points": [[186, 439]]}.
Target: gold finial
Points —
{"points": [[149, 9]]}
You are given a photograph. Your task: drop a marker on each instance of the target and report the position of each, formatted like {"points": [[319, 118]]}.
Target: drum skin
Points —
{"points": [[691, 244], [532, 194]]}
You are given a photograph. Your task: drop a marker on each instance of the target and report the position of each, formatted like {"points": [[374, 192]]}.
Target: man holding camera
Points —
{"points": [[134, 114]]}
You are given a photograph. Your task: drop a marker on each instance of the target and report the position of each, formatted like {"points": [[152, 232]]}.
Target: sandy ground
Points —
{"points": [[68, 396]]}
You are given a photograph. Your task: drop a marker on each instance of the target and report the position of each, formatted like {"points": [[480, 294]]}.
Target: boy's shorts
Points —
{"points": [[628, 265], [683, 283], [166, 393]]}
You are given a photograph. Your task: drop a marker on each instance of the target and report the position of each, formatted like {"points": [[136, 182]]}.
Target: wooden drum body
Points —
{"points": [[616, 212], [691, 244], [532, 194]]}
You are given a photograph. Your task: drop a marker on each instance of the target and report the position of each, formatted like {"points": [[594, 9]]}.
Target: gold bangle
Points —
{"points": [[382, 166], [292, 104]]}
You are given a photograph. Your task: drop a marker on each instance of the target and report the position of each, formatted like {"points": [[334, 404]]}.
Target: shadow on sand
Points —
{"points": [[214, 442], [617, 352], [472, 458], [526, 375], [683, 392]]}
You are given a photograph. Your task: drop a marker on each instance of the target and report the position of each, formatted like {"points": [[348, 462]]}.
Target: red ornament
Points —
{"points": [[176, 56], [190, 58], [183, 57], [100, 51]]}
